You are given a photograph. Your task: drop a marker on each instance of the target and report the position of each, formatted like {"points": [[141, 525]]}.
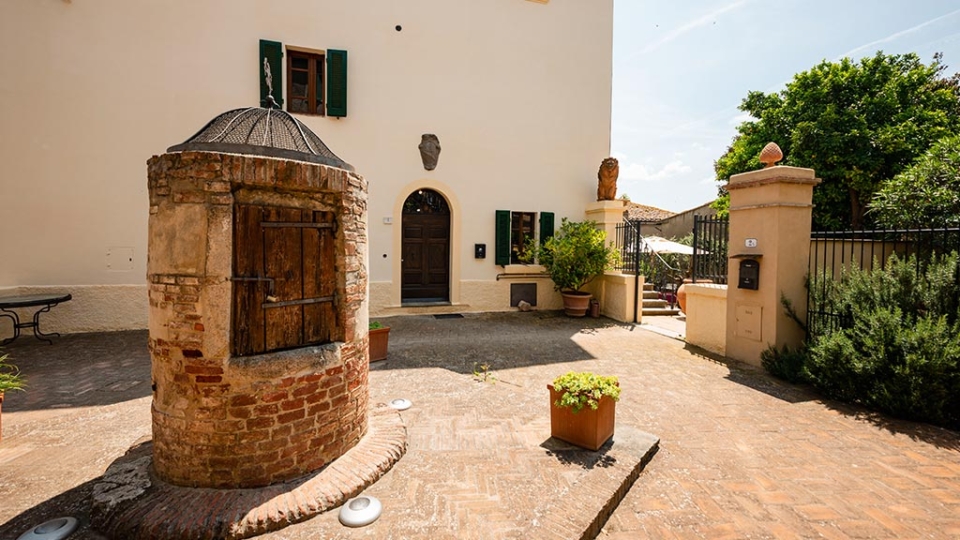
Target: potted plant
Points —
{"points": [[573, 257], [583, 408], [379, 336], [10, 379]]}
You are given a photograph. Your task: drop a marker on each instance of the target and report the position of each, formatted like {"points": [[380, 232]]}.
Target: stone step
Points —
{"points": [[651, 304], [660, 311]]}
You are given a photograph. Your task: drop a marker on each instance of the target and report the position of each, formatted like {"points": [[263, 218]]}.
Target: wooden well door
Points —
{"points": [[284, 280], [425, 248]]}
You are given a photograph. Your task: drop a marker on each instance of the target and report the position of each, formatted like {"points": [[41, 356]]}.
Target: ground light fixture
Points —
{"points": [[55, 529], [401, 404], [360, 511]]}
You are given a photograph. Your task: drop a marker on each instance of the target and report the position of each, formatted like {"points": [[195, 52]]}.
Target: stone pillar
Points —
{"points": [[607, 214], [770, 219]]}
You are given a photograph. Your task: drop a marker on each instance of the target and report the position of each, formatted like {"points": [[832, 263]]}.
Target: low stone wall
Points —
{"points": [[707, 316], [616, 294]]}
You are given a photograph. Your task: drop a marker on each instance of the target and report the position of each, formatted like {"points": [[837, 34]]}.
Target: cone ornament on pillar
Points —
{"points": [[770, 155]]}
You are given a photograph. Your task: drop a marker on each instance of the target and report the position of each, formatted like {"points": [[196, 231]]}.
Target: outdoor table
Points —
{"points": [[43, 301]]}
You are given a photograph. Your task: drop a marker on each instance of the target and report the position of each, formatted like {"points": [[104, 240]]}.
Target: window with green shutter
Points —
{"points": [[503, 238], [513, 229], [271, 72], [546, 226], [305, 82], [336, 83], [316, 79]]}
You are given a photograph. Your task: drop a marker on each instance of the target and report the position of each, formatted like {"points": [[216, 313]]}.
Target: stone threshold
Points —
{"points": [[583, 510], [129, 503]]}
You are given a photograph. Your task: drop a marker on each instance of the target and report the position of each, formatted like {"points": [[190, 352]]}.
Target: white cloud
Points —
{"points": [[641, 173], [741, 118], [894, 36]]}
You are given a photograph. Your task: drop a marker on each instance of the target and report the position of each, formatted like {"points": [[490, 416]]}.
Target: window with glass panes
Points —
{"points": [[305, 90]]}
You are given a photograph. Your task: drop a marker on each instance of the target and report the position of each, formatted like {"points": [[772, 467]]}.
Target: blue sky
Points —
{"points": [[680, 69]]}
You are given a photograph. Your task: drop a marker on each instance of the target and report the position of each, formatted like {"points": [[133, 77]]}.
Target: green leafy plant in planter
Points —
{"points": [[379, 338], [583, 408], [573, 257], [581, 390], [10, 378]]}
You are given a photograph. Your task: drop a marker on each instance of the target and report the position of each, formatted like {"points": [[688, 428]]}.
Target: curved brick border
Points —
{"points": [[130, 503]]}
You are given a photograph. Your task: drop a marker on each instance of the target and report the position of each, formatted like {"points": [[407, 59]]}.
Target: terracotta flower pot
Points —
{"points": [[588, 428], [682, 293], [378, 343], [576, 303]]}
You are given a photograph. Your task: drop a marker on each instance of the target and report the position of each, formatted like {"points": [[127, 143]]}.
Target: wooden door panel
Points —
{"points": [[286, 254], [426, 257]]}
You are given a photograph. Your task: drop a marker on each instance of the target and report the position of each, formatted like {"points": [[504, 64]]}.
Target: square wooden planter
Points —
{"points": [[378, 343], [588, 428]]}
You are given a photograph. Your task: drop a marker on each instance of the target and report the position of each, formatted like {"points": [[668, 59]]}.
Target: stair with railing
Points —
{"points": [[653, 305]]}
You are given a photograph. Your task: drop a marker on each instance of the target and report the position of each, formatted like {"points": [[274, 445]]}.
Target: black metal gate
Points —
{"points": [[711, 236]]}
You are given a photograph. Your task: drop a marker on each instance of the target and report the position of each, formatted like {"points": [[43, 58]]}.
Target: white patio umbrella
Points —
{"points": [[662, 245]]}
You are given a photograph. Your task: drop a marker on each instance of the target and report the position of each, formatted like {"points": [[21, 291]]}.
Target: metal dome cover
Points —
{"points": [[262, 131]]}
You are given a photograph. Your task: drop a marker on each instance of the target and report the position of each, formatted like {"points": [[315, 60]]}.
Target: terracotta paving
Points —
{"points": [[741, 455]]}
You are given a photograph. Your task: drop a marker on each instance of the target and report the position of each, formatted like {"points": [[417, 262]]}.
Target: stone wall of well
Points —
{"points": [[223, 421]]}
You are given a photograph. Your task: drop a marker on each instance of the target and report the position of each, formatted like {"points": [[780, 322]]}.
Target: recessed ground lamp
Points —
{"points": [[400, 404], [360, 511], [55, 529]]}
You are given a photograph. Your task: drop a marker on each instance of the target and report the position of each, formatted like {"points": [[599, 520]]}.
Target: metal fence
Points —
{"points": [[664, 272], [833, 254], [711, 236]]}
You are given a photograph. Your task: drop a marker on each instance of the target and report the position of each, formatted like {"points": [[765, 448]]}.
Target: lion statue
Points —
{"points": [[608, 173]]}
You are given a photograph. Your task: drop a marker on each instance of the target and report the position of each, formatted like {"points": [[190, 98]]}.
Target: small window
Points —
{"points": [[305, 82], [514, 229], [521, 231]]}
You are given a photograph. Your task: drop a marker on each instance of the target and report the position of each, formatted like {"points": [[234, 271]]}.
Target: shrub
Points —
{"points": [[574, 256], [786, 363], [898, 347]]}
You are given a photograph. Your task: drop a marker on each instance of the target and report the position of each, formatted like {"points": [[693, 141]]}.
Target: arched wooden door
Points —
{"points": [[425, 248]]}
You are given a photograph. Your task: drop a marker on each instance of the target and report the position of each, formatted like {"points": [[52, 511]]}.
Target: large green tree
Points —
{"points": [[926, 194], [856, 123]]}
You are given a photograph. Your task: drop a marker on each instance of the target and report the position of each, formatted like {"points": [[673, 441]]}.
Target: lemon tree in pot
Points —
{"points": [[379, 341], [573, 257], [583, 408], [10, 379]]}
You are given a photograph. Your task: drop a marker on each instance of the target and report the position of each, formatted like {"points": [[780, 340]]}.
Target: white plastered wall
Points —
{"points": [[518, 93]]}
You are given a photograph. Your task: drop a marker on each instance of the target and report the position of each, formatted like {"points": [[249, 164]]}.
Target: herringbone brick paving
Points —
{"points": [[741, 455]]}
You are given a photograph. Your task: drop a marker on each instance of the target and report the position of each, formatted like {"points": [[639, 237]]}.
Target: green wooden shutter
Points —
{"points": [[503, 237], [546, 226], [336, 82], [272, 51]]}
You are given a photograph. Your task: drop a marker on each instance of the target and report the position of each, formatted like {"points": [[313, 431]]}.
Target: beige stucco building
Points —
{"points": [[518, 93]]}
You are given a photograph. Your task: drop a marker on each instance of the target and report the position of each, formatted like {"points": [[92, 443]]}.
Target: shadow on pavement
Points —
{"points": [[500, 341], [761, 381], [74, 502], [80, 370]]}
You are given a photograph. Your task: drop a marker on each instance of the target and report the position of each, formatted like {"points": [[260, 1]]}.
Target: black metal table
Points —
{"points": [[43, 301]]}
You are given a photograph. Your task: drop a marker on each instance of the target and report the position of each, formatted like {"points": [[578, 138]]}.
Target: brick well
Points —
{"points": [[228, 420]]}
